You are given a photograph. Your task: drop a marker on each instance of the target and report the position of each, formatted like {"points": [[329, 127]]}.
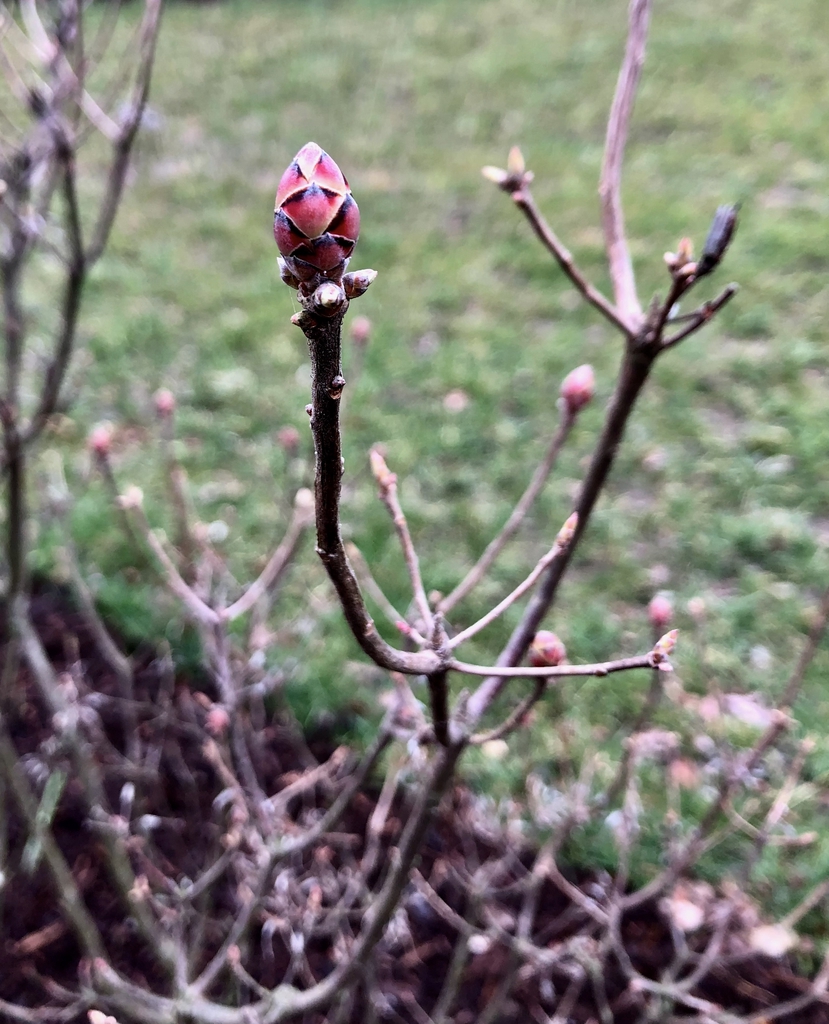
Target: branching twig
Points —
{"points": [[517, 516]]}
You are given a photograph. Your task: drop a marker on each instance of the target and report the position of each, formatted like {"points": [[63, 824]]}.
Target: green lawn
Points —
{"points": [[721, 488]]}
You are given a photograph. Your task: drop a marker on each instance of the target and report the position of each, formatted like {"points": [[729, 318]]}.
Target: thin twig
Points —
{"points": [[517, 516], [701, 316], [508, 601], [610, 184], [602, 668], [275, 568], [388, 495], [524, 201], [200, 611], [127, 132], [516, 717]]}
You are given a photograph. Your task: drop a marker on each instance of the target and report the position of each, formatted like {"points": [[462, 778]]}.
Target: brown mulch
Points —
{"points": [[37, 951]]}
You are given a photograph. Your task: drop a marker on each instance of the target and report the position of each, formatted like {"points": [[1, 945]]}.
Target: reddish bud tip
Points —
{"points": [[578, 387], [100, 440], [360, 330], [381, 472], [165, 402], [288, 439], [660, 611], [546, 650], [664, 647], [217, 721], [568, 531], [316, 221]]}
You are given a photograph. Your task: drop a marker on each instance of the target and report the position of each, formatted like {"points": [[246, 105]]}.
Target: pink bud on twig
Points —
{"points": [[165, 402], [316, 221], [382, 474], [660, 611], [100, 440], [546, 650], [578, 388]]}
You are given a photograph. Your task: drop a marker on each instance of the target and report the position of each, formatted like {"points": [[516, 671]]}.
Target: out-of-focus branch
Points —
{"points": [[602, 668], [697, 839], [610, 184], [127, 131], [131, 502], [510, 527], [564, 537], [807, 655], [66, 889], [276, 566]]}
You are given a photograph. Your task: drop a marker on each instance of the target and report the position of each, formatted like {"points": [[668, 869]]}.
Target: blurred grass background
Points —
{"points": [[720, 491]]}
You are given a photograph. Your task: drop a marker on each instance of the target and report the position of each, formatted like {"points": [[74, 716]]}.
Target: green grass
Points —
{"points": [[720, 489]]}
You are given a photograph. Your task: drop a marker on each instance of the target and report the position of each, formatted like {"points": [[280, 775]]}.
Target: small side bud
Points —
{"points": [[663, 649], [497, 175], [515, 162], [357, 283], [328, 298], [660, 611], [304, 500], [100, 440], [133, 497], [565, 535], [360, 329], [381, 472], [546, 650], [165, 402], [578, 388], [719, 238], [98, 1017], [685, 252]]}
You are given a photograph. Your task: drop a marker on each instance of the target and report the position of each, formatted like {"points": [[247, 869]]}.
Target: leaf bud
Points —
{"points": [[719, 238], [578, 388], [100, 440], [546, 650]]}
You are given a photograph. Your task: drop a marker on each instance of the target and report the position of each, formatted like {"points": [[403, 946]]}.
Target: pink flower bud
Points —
{"points": [[288, 439], [660, 611], [217, 720], [100, 440], [165, 402], [546, 650], [578, 388], [360, 330], [316, 221]]}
